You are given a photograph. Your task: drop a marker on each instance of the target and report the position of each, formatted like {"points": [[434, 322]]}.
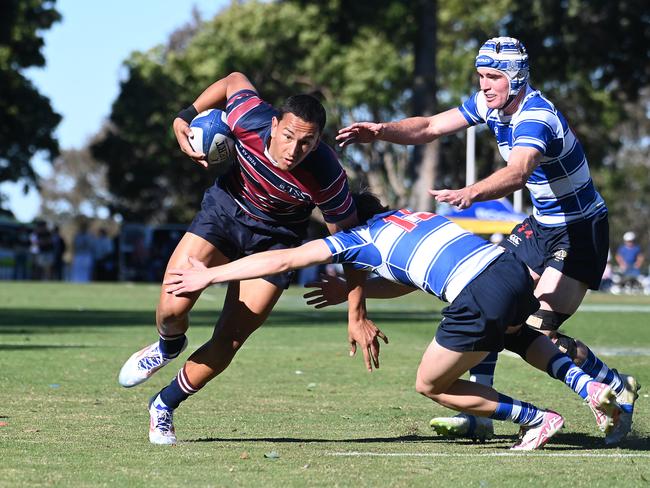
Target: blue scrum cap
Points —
{"points": [[508, 55]]}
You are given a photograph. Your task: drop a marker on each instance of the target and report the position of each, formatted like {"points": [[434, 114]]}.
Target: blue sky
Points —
{"points": [[83, 53]]}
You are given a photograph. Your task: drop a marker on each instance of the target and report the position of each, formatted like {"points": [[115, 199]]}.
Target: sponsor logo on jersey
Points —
{"points": [[560, 254], [515, 240]]}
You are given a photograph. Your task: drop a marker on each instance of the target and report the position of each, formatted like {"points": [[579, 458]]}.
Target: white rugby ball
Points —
{"points": [[213, 138]]}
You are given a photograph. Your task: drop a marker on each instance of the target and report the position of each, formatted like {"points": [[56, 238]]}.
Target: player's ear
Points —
{"points": [[274, 125]]}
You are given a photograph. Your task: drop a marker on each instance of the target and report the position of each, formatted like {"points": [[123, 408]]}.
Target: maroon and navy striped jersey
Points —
{"points": [[270, 194]]}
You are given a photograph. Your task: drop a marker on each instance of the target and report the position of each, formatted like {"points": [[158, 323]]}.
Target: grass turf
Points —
{"points": [[292, 390]]}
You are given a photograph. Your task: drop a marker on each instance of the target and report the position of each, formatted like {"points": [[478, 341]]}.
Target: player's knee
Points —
{"points": [[423, 387], [429, 387], [567, 345]]}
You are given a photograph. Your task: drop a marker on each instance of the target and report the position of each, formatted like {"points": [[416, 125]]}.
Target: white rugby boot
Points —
{"points": [[161, 424], [464, 426], [143, 364]]}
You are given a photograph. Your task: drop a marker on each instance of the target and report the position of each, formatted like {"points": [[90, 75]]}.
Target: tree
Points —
{"points": [[27, 121], [76, 188], [365, 60], [590, 57], [623, 179], [283, 48]]}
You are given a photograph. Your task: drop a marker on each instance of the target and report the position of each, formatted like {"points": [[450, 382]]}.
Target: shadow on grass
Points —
{"points": [[35, 347], [17, 321], [298, 440], [585, 441], [561, 442]]}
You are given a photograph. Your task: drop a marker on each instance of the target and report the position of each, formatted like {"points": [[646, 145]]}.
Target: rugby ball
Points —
{"points": [[212, 137]]}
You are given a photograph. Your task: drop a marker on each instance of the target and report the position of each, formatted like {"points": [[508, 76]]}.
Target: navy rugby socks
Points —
{"points": [[179, 390], [171, 346]]}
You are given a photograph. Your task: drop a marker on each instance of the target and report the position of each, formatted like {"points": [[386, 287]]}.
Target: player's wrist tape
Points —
{"points": [[187, 114]]}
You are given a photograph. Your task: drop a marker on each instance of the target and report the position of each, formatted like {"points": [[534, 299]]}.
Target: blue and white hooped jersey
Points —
{"points": [[561, 187], [418, 249]]}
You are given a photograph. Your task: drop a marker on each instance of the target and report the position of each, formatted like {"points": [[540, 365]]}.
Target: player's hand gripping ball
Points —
{"points": [[213, 138]]}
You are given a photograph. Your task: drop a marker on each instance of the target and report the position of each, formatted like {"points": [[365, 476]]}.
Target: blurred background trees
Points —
{"points": [[368, 60], [27, 120]]}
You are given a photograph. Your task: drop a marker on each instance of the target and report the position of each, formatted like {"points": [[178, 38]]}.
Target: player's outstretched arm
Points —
{"points": [[414, 130], [198, 276], [503, 182]]}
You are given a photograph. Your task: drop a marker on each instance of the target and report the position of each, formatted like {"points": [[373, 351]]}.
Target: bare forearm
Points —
{"points": [[500, 184], [414, 130], [213, 96], [216, 95], [249, 267], [272, 262], [355, 280]]}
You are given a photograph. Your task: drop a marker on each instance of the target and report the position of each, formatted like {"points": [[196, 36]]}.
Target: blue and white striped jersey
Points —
{"points": [[418, 249], [561, 188]]}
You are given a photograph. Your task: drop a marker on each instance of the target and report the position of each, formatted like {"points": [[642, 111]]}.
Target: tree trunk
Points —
{"points": [[425, 159]]}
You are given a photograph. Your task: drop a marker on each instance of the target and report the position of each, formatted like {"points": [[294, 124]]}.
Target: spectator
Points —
{"points": [[83, 257], [42, 250], [104, 253], [629, 257], [21, 247], [59, 250]]}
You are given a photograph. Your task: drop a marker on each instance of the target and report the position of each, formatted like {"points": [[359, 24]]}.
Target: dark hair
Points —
{"points": [[305, 107], [367, 205]]}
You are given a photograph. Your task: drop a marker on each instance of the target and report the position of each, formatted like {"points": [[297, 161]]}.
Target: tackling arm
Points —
{"points": [[257, 265], [421, 130], [414, 130]]}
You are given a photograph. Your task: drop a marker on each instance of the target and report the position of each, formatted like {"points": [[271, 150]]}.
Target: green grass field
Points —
{"points": [[292, 390]]}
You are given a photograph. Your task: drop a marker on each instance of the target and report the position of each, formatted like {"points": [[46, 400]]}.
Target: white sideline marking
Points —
{"points": [[594, 307], [490, 454]]}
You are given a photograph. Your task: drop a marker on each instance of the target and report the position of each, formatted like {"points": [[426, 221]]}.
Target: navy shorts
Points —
{"points": [[500, 297], [577, 250], [223, 223]]}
